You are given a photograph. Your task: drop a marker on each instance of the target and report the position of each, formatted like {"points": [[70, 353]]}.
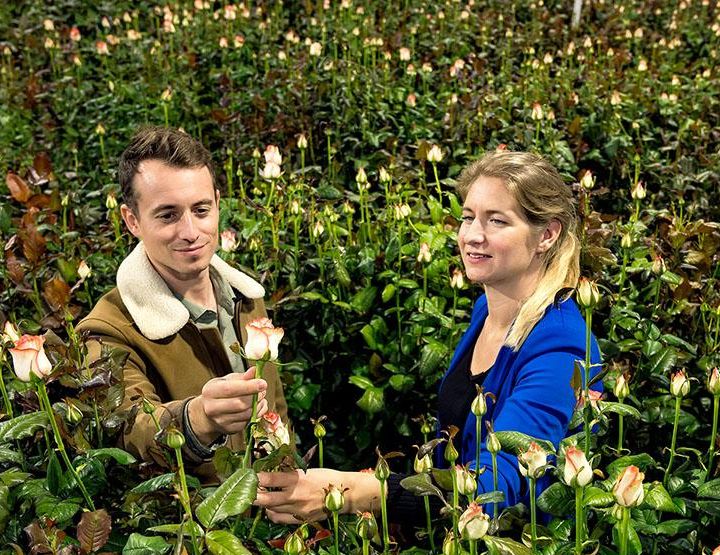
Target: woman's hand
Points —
{"points": [[300, 496]]}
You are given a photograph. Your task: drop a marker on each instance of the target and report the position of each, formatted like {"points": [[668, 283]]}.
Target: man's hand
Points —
{"points": [[225, 405]]}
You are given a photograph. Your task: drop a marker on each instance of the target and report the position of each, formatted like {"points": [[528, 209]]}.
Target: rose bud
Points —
{"points": [[474, 523], [638, 192], [450, 545], [621, 389], [319, 430], [457, 281], [479, 404], [361, 178], [302, 142], [465, 481], [658, 265], [147, 406], [73, 414], [587, 294], [422, 464], [588, 181], [110, 202], [262, 340], [679, 384], [424, 254], [366, 526], [451, 454], [492, 443], [532, 461], [384, 176], [626, 241], [434, 154], [628, 489], [174, 438], [295, 544], [382, 470], [577, 468], [713, 383], [334, 499]]}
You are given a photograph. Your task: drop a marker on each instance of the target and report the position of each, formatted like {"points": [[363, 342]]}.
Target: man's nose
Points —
{"points": [[188, 228]]}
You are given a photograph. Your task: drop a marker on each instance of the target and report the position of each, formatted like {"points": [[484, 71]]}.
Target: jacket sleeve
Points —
{"points": [[540, 405], [139, 437]]}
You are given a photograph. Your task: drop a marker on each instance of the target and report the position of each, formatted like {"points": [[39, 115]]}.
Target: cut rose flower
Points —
{"points": [[474, 523], [29, 357], [262, 340], [274, 430]]}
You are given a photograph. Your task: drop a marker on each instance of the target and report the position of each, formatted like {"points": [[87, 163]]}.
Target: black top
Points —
{"points": [[454, 399]]}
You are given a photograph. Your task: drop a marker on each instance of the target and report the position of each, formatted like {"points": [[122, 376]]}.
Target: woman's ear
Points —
{"points": [[549, 236]]}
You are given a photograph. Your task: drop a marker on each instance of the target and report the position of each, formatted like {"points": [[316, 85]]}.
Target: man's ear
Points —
{"points": [[130, 219], [217, 197], [549, 236]]}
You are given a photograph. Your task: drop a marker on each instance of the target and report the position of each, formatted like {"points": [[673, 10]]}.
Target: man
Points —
{"points": [[178, 309]]}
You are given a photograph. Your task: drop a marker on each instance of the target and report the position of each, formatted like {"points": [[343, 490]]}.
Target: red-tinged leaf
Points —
{"points": [[33, 244], [19, 190], [39, 201], [94, 530], [43, 165], [15, 268], [56, 293], [277, 543], [37, 538], [319, 536]]}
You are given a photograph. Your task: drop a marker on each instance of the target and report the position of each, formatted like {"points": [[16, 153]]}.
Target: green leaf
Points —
{"points": [[154, 484], [54, 474], [363, 300], [174, 529], [659, 499], [401, 382], [23, 426], [443, 478], [361, 381], [505, 546], [222, 542], [642, 461], [490, 497], [675, 527], [516, 442], [432, 356], [662, 361], [558, 500], [138, 544], [710, 489], [620, 408], [368, 333], [422, 485], [312, 296], [8, 455], [13, 477], [388, 293], [596, 497], [406, 283], [372, 400], [120, 456], [233, 497], [60, 510]]}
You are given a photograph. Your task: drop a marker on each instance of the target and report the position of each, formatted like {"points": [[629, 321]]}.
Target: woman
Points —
{"points": [[518, 240]]}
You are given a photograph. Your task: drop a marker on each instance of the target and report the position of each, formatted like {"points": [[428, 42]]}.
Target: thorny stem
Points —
{"points": [[624, 530], [253, 418], [45, 402], [428, 523], [533, 522], [586, 380], [621, 432], [713, 435], [495, 481], [336, 529], [383, 512], [579, 520], [185, 497], [678, 400], [456, 503], [320, 453]]}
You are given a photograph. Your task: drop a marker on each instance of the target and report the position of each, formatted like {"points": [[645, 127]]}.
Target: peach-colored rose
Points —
{"points": [[262, 340], [628, 489], [474, 523], [274, 429], [577, 468], [29, 357], [532, 460]]}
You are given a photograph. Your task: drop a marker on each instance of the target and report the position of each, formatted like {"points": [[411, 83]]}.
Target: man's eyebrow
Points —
{"points": [[172, 206]]}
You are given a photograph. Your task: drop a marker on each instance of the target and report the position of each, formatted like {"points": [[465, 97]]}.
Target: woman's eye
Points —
{"points": [[497, 221], [467, 219]]}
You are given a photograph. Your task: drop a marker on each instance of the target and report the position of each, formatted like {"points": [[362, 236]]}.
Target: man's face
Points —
{"points": [[176, 218]]}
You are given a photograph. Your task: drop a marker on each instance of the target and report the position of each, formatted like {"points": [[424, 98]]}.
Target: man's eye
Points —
{"points": [[468, 219], [165, 216], [202, 211]]}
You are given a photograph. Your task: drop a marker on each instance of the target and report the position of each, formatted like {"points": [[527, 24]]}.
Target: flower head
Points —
{"points": [[315, 49], [422, 464], [334, 499], [262, 340], [474, 523], [434, 154], [366, 526], [457, 280], [532, 461], [713, 383], [587, 181], [466, 483], [424, 253], [577, 468], [29, 357], [628, 489], [302, 142], [270, 171], [84, 271], [587, 293], [679, 384], [75, 35], [537, 111], [272, 155], [621, 389], [274, 430], [228, 240], [638, 192]]}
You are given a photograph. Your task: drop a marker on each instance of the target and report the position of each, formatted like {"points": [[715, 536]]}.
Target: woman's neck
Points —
{"points": [[504, 302]]}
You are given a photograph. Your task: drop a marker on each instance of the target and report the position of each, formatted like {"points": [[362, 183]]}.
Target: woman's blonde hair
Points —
{"points": [[543, 197]]}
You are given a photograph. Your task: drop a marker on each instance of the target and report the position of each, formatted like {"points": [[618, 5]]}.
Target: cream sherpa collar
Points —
{"points": [[152, 304]]}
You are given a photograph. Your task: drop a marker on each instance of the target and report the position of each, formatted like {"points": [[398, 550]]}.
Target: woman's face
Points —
{"points": [[499, 247]]}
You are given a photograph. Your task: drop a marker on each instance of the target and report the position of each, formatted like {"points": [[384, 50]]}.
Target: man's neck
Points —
{"points": [[197, 290]]}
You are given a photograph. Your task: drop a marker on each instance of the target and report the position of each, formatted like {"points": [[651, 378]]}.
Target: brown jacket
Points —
{"points": [[170, 358]]}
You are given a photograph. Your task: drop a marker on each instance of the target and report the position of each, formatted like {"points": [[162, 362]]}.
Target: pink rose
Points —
{"points": [[262, 340], [628, 489], [29, 357]]}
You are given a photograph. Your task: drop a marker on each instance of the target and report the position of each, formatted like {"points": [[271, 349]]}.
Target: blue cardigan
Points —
{"points": [[532, 392]]}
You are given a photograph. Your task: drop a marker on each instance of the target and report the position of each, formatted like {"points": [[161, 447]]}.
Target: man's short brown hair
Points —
{"points": [[170, 146]]}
